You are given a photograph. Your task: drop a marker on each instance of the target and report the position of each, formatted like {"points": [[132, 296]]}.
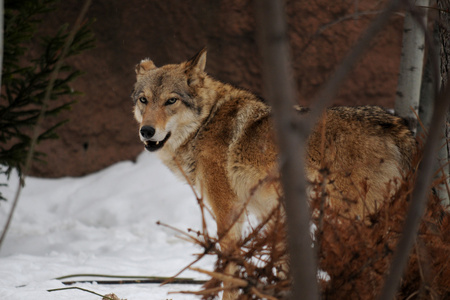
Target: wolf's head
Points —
{"points": [[166, 101]]}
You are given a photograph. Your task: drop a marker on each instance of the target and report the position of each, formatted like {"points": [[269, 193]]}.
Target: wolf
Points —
{"points": [[220, 139]]}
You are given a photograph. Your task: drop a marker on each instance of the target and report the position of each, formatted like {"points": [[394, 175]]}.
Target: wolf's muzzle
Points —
{"points": [[147, 132], [153, 146]]}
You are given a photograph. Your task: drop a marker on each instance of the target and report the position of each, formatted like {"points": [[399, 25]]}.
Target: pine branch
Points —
{"points": [[40, 119]]}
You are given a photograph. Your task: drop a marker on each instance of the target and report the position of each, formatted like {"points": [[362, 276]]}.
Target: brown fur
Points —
{"points": [[367, 152], [222, 138]]}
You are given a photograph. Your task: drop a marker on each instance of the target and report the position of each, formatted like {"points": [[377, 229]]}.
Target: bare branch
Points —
{"points": [[330, 89], [281, 94], [236, 282], [419, 197], [106, 297], [328, 25], [260, 294], [292, 137]]}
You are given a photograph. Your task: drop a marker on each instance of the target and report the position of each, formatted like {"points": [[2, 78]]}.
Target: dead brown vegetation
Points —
{"points": [[355, 254]]}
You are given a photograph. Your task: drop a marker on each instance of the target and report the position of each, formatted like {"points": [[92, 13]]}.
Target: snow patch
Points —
{"points": [[101, 223]]}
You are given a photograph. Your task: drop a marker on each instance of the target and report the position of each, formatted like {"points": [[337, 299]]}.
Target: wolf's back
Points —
{"points": [[375, 121]]}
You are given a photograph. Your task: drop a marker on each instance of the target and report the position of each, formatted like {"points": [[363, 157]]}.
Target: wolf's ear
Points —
{"points": [[198, 61], [144, 66]]}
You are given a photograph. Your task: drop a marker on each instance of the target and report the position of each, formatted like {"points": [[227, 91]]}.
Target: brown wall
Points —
{"points": [[102, 131]]}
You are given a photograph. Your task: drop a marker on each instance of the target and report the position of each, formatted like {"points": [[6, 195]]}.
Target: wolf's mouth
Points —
{"points": [[153, 146]]}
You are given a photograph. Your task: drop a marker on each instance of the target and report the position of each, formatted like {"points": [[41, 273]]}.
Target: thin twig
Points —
{"points": [[139, 281], [184, 269], [259, 294], [198, 197], [204, 292], [127, 279], [263, 223], [419, 197], [191, 185], [190, 237], [280, 88], [112, 276], [324, 27], [40, 119], [330, 89], [81, 289], [237, 282], [424, 178]]}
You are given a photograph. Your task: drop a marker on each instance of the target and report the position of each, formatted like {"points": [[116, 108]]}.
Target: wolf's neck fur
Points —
{"points": [[211, 96]]}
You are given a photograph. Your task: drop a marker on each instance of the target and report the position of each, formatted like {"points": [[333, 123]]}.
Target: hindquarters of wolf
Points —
{"points": [[362, 154]]}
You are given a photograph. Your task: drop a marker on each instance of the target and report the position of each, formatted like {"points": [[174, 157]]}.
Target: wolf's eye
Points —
{"points": [[171, 101], [143, 100]]}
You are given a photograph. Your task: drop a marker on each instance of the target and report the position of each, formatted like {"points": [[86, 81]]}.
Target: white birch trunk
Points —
{"points": [[411, 68], [2, 10]]}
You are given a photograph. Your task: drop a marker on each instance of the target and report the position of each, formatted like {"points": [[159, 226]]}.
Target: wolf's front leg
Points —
{"points": [[227, 211], [229, 232]]}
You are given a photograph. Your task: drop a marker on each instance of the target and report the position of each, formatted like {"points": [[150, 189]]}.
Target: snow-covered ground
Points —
{"points": [[101, 223]]}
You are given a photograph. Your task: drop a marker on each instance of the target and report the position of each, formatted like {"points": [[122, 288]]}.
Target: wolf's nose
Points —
{"points": [[147, 132]]}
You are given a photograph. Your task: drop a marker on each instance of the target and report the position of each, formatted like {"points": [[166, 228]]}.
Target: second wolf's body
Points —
{"points": [[220, 138]]}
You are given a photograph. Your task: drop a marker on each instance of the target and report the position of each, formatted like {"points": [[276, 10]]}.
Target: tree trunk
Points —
{"points": [[2, 11], [444, 33], [444, 39], [411, 67], [280, 88]]}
